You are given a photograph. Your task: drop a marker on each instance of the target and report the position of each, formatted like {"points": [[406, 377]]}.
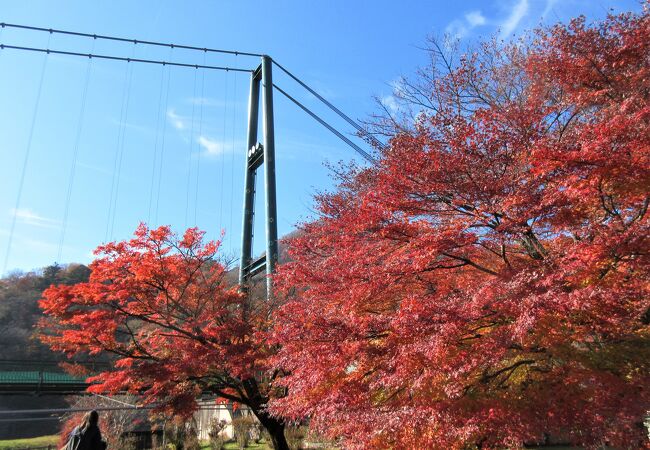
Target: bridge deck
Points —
{"points": [[34, 382]]}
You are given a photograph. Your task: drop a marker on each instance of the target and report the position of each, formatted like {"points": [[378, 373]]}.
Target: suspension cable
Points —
{"points": [[191, 153], [232, 163], [122, 58], [340, 135], [223, 151], [119, 402], [21, 183], [363, 132], [119, 152], [75, 154], [155, 146], [162, 147], [134, 41], [373, 140], [198, 153], [119, 168], [117, 160]]}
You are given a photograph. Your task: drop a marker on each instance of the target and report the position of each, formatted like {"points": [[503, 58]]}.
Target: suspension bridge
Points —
{"points": [[257, 149], [258, 152]]}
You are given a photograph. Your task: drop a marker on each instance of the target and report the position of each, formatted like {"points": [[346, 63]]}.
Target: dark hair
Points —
{"points": [[90, 419]]}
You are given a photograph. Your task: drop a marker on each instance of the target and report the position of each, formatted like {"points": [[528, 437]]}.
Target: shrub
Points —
{"points": [[174, 436], [191, 441], [217, 440], [295, 436], [156, 441], [242, 427], [126, 442]]}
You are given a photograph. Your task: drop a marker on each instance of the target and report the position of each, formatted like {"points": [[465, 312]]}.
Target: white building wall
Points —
{"points": [[204, 417]]}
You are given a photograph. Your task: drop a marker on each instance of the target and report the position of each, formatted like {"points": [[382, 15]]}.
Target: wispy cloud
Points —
{"points": [[179, 122], [29, 217], [390, 103], [456, 29], [132, 126], [475, 18], [39, 246], [212, 147], [517, 13], [549, 6], [205, 101], [459, 28]]}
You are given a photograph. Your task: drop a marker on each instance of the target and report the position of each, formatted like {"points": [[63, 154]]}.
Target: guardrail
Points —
{"points": [[44, 376]]}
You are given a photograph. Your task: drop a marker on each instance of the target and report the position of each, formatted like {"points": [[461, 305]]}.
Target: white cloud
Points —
{"points": [[177, 121], [510, 23], [390, 102], [211, 147], [205, 101], [456, 29], [459, 28], [475, 18], [29, 217], [132, 126]]}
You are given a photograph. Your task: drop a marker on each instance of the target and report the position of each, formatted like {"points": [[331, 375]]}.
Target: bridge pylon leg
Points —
{"points": [[258, 154]]}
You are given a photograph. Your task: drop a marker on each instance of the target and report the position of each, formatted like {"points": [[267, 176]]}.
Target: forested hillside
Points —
{"points": [[19, 313]]}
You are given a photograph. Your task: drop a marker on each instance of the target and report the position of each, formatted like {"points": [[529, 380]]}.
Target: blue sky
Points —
{"points": [[349, 51]]}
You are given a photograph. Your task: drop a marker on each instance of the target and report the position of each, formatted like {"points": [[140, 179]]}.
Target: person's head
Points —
{"points": [[90, 419]]}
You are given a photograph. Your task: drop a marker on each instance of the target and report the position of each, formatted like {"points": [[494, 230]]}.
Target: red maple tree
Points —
{"points": [[487, 283], [177, 326]]}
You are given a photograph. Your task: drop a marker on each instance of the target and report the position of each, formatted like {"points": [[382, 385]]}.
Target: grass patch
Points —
{"points": [[252, 446], [41, 441], [232, 445]]}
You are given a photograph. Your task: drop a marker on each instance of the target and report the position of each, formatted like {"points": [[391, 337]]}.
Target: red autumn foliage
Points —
{"points": [[487, 282], [66, 428], [162, 305]]}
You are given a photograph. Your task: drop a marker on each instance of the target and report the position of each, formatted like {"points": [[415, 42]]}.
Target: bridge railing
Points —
{"points": [[18, 376]]}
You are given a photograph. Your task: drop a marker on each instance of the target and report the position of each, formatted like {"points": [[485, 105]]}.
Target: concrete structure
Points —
{"points": [[210, 411]]}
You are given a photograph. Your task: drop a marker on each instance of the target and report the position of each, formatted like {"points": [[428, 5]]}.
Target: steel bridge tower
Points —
{"points": [[258, 154]]}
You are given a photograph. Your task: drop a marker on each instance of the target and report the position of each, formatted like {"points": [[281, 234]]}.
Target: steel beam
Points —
{"points": [[249, 177], [269, 174]]}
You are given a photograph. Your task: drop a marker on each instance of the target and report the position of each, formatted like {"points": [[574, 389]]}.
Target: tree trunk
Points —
{"points": [[257, 403], [275, 428]]}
